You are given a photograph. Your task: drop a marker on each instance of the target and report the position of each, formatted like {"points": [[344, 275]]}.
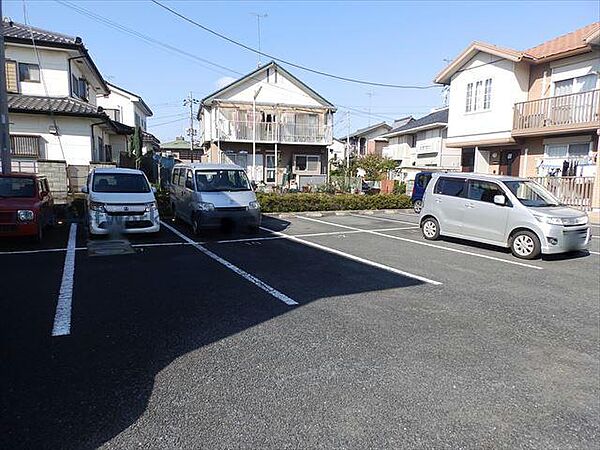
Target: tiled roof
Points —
{"points": [[178, 144], [439, 116], [56, 105], [566, 43], [15, 30]]}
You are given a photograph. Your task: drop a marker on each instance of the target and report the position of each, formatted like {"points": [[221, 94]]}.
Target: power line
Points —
{"points": [[283, 61], [154, 125], [168, 116]]}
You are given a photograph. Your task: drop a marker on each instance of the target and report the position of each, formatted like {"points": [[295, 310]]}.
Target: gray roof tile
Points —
{"points": [[56, 105], [440, 116], [17, 30]]}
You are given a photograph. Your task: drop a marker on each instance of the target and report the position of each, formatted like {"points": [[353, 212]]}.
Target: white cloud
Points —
{"points": [[224, 81]]}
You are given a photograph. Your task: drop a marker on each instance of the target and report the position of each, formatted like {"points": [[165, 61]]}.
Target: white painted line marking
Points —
{"points": [[62, 317], [352, 257], [427, 244], [595, 237], [594, 253], [251, 278], [27, 252], [385, 219]]}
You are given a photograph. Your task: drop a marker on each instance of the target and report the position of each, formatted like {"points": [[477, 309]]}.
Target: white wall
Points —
{"points": [[509, 85], [118, 101]]}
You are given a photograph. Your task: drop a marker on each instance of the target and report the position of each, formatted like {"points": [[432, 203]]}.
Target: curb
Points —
{"points": [[367, 212]]}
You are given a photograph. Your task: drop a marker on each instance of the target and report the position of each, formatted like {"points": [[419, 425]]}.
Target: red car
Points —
{"points": [[26, 205]]}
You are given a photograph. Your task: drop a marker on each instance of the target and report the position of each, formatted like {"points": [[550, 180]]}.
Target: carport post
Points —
{"points": [[4, 123]]}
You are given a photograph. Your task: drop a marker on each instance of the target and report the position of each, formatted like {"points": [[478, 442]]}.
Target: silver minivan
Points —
{"points": [[211, 195], [510, 212]]}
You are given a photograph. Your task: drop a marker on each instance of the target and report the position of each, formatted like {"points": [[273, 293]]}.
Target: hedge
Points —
{"points": [[271, 202]]}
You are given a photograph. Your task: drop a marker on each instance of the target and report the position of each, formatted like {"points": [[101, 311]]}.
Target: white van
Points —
{"points": [[121, 200], [505, 211], [210, 195]]}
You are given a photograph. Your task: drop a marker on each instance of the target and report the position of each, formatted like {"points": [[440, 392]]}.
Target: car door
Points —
{"points": [[174, 188], [448, 203], [484, 220]]}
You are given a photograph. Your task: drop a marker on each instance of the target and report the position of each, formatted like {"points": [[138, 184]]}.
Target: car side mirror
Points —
{"points": [[154, 189], [84, 189], [500, 200]]}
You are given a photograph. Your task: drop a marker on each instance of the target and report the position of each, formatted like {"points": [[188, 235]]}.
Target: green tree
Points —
{"points": [[375, 166], [135, 146]]}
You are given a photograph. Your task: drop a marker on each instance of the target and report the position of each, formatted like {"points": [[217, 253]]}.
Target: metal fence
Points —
{"points": [[572, 191]]}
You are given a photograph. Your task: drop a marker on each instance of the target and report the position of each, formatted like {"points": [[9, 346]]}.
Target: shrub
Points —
{"points": [[399, 187], [300, 202]]}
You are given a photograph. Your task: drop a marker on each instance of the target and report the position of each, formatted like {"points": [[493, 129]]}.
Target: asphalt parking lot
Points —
{"points": [[320, 332]]}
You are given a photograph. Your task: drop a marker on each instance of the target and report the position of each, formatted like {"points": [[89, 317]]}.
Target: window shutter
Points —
{"points": [[11, 76]]}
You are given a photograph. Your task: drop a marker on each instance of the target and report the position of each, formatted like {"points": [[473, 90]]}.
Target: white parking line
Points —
{"points": [[416, 225], [251, 278], [353, 257], [62, 317], [427, 244], [594, 253]]}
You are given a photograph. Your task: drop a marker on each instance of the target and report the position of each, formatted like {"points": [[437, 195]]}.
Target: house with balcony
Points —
{"points": [[534, 112], [130, 109], [52, 89], [420, 144], [367, 140], [270, 123]]}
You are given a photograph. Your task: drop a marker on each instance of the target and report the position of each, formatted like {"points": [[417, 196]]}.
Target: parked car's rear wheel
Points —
{"points": [[196, 229], [525, 245], [430, 229], [418, 206]]}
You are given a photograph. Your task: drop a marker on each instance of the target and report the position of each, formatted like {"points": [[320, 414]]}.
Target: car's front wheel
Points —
{"points": [[525, 245], [430, 229], [196, 229], [418, 206]]}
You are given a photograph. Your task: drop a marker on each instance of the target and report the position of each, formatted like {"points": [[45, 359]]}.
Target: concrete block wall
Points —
{"points": [[56, 172]]}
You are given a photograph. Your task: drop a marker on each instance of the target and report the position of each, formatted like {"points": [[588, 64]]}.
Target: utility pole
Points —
{"points": [[191, 101], [258, 17], [4, 135], [348, 149]]}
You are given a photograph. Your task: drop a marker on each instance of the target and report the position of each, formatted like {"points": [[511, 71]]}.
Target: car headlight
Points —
{"points": [[253, 205], [25, 215], [582, 220], [204, 206], [97, 206], [150, 207]]}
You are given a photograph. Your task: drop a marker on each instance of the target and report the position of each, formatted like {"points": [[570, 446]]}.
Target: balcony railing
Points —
{"points": [[288, 133], [561, 113]]}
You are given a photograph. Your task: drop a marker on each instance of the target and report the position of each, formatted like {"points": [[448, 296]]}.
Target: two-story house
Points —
{"points": [[270, 123], [367, 140], [530, 113], [53, 85], [130, 109], [420, 144]]}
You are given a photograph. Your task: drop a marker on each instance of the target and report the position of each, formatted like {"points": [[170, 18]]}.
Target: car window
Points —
{"points": [[483, 191], [181, 179], [175, 177], [16, 187], [454, 187], [222, 180], [189, 180], [120, 182]]}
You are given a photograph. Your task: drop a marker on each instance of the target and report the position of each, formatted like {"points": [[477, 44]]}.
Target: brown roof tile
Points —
{"points": [[566, 43]]}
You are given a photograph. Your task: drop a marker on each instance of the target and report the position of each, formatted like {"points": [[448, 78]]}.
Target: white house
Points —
{"points": [[270, 123], [52, 91], [420, 144], [130, 109], [529, 113]]}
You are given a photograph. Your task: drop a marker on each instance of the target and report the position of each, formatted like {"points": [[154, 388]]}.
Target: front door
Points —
{"points": [[270, 168], [483, 219], [509, 163], [448, 203]]}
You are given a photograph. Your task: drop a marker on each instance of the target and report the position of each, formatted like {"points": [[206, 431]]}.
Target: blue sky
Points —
{"points": [[393, 42]]}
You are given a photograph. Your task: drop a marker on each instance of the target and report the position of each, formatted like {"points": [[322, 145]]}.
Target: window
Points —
{"points": [[422, 180], [17, 187], [531, 194], [12, 84], [189, 180], [79, 87], [222, 180], [567, 150], [469, 104], [487, 95], [483, 191], [114, 114], [25, 146], [120, 182], [481, 98], [575, 85], [454, 187], [29, 72], [308, 163], [175, 177]]}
